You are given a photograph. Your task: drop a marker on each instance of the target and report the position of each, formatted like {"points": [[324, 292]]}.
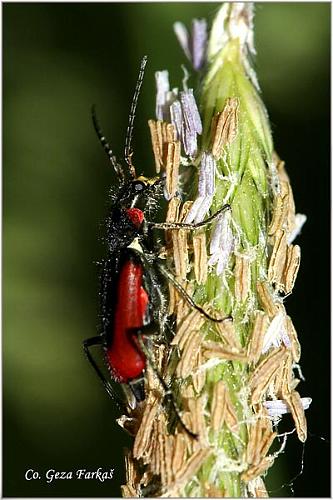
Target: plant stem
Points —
{"points": [[234, 378]]}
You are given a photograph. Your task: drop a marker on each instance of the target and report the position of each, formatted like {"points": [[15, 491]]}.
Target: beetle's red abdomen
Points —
{"points": [[124, 356]]}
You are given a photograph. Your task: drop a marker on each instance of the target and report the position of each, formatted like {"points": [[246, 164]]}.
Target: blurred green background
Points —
{"points": [[58, 59]]}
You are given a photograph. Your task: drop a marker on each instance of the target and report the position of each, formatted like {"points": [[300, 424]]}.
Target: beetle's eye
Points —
{"points": [[138, 186]]}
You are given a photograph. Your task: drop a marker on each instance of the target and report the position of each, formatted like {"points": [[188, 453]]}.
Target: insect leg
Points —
{"points": [[99, 340], [167, 393], [184, 225], [157, 297], [169, 276]]}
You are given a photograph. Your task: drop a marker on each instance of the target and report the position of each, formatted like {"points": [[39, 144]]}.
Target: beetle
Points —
{"points": [[133, 279]]}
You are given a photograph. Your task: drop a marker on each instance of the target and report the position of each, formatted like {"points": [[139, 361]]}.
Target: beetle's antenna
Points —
{"points": [[102, 139], [131, 118]]}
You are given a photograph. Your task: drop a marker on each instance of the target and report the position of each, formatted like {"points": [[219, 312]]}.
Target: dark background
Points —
{"points": [[58, 59]]}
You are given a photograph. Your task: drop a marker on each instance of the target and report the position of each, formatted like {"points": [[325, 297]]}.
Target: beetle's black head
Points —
{"points": [[141, 192]]}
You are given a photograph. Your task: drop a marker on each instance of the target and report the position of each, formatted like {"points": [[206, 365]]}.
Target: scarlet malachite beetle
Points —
{"points": [[133, 279]]}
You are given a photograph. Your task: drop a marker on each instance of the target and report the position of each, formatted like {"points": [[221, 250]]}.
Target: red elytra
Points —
{"points": [[135, 215], [125, 359]]}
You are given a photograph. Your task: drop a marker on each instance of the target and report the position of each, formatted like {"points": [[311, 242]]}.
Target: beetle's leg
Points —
{"points": [[157, 297], [169, 276], [137, 387], [99, 340], [187, 297], [167, 392], [184, 225]]}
